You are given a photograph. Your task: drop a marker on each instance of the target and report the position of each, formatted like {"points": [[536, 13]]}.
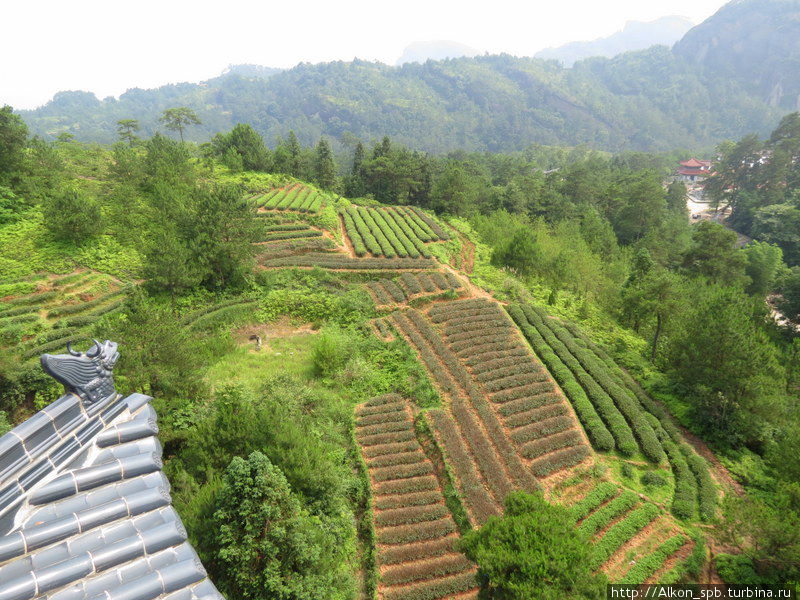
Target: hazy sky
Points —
{"points": [[108, 46]]}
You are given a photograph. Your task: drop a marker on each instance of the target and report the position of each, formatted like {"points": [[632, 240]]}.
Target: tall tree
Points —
{"points": [[455, 191], [324, 167], [222, 233], [727, 364], [640, 207], [295, 150], [126, 129], [764, 263], [267, 544], [654, 298], [354, 182], [382, 149], [170, 262], [243, 146], [521, 253], [178, 119], [167, 162], [13, 136], [789, 301], [713, 254]]}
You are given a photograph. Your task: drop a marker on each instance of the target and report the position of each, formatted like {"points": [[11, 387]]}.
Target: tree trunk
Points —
{"points": [[656, 335]]}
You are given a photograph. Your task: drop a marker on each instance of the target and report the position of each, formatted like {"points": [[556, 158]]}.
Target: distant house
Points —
{"points": [[693, 170]]}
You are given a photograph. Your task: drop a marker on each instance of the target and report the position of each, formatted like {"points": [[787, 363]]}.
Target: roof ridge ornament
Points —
{"points": [[89, 374]]}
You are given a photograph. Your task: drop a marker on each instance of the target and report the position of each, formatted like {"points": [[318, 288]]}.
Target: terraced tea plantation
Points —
{"points": [[505, 424], [635, 541], [485, 460], [294, 197], [414, 531], [340, 262], [615, 412], [414, 286], [283, 236], [41, 314], [540, 424], [213, 315], [397, 231]]}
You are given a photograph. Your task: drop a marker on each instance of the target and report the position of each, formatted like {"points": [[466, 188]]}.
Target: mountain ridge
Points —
{"points": [[653, 99], [635, 35]]}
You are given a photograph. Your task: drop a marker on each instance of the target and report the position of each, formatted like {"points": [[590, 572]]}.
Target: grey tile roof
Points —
{"points": [[85, 509]]}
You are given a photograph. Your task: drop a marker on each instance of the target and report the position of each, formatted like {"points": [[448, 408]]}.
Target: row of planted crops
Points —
{"points": [[397, 231], [411, 527], [47, 311], [615, 412], [484, 461], [520, 391], [634, 541], [504, 425], [294, 197], [412, 286]]}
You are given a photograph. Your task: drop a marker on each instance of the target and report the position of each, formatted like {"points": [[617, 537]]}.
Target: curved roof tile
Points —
{"points": [[85, 511]]}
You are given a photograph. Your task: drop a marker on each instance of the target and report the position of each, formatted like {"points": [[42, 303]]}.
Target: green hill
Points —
{"points": [[647, 100], [733, 74]]}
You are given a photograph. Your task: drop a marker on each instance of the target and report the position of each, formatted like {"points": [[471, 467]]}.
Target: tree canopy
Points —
{"points": [[533, 551]]}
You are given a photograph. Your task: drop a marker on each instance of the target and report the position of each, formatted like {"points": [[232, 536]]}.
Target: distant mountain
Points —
{"points": [[736, 73], [419, 52], [755, 42], [636, 35]]}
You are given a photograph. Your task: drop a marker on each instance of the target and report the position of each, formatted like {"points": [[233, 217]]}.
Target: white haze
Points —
{"points": [[109, 46]]}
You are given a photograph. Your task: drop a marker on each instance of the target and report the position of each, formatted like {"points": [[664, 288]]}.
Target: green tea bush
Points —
{"points": [[599, 435], [654, 479]]}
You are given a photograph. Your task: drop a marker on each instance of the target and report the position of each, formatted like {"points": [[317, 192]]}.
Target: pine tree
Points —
{"points": [[324, 167], [354, 185], [126, 129], [293, 146], [382, 149]]}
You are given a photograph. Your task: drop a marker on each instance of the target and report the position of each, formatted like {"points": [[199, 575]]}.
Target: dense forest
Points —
{"points": [[362, 271], [648, 100]]}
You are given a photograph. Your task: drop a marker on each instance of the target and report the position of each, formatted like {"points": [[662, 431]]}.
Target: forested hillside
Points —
{"points": [[648, 100], [734, 74], [426, 375], [729, 76]]}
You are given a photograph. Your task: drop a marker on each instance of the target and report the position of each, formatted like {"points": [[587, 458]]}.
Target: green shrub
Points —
{"points": [[533, 551], [599, 494], [330, 351], [654, 479], [649, 564], [623, 531], [267, 543], [737, 569]]}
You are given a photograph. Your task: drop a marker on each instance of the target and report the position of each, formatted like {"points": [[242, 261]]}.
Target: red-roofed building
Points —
{"points": [[693, 169]]}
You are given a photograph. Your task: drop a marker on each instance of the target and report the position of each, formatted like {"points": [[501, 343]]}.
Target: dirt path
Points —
{"points": [[348, 244], [473, 290], [718, 470], [467, 254]]}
